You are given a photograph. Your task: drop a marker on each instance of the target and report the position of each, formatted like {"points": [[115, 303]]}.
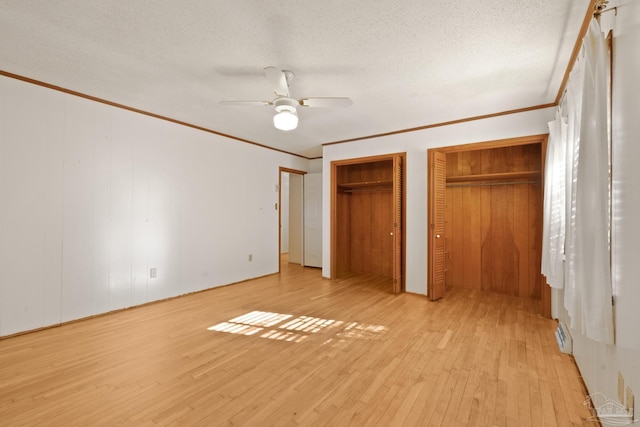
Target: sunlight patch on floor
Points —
{"points": [[281, 327]]}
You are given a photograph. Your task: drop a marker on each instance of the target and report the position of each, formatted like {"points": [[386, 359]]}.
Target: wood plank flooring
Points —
{"points": [[295, 349]]}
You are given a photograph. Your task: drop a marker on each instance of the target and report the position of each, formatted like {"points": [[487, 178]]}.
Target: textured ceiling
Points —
{"points": [[404, 64]]}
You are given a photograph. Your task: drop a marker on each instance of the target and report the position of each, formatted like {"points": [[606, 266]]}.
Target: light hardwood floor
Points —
{"points": [[349, 353]]}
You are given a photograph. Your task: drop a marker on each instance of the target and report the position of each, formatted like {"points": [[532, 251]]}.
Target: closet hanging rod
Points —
{"points": [[367, 190], [489, 184]]}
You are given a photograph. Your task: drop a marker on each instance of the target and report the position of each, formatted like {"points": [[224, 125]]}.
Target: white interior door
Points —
{"points": [[284, 212], [313, 220], [295, 218]]}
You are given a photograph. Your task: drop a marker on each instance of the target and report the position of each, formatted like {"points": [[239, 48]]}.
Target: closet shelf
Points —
{"points": [[365, 184], [495, 176]]}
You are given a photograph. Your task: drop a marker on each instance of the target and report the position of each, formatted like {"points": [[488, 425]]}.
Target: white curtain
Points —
{"points": [[576, 227], [554, 204], [572, 297], [592, 249]]}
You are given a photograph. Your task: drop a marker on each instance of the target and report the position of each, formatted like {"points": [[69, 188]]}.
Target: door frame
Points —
{"points": [[545, 301], [333, 208], [281, 170]]}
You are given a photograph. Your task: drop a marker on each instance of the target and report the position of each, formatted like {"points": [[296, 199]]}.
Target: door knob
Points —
{"points": [[437, 236]]}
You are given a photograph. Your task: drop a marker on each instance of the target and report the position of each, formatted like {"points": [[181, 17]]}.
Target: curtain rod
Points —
{"points": [[601, 7], [597, 14], [598, 9]]}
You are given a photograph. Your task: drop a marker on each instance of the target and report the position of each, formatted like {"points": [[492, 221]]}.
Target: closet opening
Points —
{"points": [[485, 218], [367, 218]]}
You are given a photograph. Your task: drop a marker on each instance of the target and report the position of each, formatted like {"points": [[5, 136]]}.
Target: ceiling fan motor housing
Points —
{"points": [[286, 104]]}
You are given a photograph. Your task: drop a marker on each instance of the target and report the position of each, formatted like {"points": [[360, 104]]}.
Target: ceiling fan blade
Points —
{"points": [[325, 102], [256, 103], [279, 80]]}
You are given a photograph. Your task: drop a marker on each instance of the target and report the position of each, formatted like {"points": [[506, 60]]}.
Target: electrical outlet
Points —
{"points": [[153, 273], [620, 387], [630, 402], [250, 257]]}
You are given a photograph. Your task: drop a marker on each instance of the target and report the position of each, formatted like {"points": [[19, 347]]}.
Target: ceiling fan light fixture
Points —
{"points": [[286, 118]]}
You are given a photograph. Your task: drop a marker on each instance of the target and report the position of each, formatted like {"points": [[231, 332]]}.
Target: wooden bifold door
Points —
{"points": [[367, 217]]}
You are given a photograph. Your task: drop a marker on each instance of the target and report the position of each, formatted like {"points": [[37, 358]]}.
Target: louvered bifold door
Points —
{"points": [[437, 248], [398, 226]]}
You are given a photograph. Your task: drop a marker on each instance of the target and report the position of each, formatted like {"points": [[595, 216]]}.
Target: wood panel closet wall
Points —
{"points": [[494, 220], [367, 217]]}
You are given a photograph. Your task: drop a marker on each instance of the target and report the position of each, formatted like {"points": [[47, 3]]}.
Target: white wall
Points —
{"points": [[93, 196], [415, 144], [315, 165], [599, 363]]}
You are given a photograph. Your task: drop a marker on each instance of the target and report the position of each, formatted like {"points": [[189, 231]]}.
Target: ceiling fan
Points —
{"points": [[286, 117]]}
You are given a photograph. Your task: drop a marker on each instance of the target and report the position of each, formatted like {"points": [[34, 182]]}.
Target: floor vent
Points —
{"points": [[563, 337]]}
